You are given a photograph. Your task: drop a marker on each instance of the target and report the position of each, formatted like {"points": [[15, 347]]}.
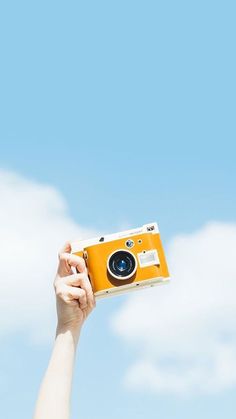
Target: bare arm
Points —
{"points": [[75, 301], [54, 395]]}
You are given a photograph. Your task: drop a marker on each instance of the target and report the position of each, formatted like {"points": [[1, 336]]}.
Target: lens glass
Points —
{"points": [[122, 264]]}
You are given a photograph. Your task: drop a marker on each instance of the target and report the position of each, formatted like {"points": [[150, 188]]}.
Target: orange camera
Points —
{"points": [[124, 261]]}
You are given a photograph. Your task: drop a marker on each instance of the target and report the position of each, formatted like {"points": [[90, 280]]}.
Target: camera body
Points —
{"points": [[125, 261]]}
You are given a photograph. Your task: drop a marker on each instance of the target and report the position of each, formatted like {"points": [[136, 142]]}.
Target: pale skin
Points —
{"points": [[74, 301]]}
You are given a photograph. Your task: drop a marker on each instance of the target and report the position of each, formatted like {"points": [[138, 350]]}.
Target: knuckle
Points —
{"points": [[70, 294], [82, 293], [67, 300], [59, 292]]}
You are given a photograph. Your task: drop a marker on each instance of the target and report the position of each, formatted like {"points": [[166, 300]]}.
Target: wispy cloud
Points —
{"points": [[34, 224], [184, 334]]}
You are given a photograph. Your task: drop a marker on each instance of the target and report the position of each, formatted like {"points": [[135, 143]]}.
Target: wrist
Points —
{"points": [[70, 329]]}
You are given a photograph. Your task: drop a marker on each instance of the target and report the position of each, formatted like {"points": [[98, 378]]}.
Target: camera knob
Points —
{"points": [[129, 243]]}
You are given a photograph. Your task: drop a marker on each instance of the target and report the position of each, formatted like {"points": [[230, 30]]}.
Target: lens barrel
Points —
{"points": [[122, 264]]}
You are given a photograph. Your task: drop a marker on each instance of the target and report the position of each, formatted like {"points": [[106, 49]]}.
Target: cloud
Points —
{"points": [[34, 224], [184, 333]]}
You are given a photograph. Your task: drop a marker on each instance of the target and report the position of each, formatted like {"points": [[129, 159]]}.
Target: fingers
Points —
{"points": [[81, 280], [66, 248], [71, 295], [75, 287], [67, 260], [79, 294], [71, 287]]}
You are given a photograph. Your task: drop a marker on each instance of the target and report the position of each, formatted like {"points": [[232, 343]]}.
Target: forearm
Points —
{"points": [[55, 391]]}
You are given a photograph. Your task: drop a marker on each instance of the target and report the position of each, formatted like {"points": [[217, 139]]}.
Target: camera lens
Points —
{"points": [[122, 264]]}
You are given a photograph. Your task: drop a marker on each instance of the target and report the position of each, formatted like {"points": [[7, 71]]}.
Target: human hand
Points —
{"points": [[74, 295]]}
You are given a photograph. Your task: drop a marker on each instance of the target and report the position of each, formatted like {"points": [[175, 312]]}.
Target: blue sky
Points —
{"points": [[128, 110]]}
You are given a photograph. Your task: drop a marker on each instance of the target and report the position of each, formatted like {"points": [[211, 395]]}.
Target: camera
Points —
{"points": [[124, 261]]}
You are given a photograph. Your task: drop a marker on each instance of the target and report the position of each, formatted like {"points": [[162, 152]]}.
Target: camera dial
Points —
{"points": [[122, 264], [129, 243]]}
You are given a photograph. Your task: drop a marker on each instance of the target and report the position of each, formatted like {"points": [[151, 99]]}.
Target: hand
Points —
{"points": [[74, 295]]}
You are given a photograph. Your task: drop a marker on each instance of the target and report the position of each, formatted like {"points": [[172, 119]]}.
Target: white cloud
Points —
{"points": [[34, 225], [184, 333]]}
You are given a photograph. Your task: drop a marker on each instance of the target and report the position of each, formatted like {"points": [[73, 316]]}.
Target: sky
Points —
{"points": [[113, 115]]}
